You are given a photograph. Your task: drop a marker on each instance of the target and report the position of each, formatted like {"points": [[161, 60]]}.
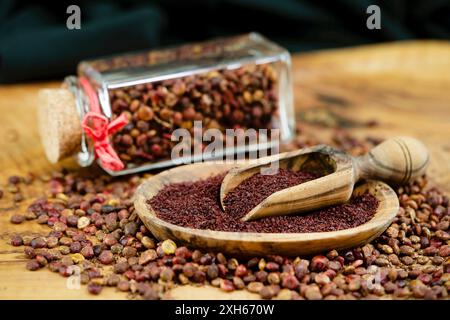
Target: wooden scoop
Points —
{"points": [[397, 160]]}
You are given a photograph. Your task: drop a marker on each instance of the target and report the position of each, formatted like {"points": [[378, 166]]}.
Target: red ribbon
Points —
{"points": [[98, 128]]}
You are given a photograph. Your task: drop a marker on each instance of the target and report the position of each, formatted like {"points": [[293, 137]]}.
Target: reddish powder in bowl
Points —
{"points": [[196, 205]]}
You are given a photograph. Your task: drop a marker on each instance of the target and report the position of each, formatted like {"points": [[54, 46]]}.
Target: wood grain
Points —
{"points": [[404, 86]]}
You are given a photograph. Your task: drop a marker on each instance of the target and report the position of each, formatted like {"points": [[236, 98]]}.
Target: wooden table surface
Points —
{"points": [[405, 87]]}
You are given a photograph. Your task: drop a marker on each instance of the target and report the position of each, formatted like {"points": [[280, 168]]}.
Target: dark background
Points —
{"points": [[35, 43]]}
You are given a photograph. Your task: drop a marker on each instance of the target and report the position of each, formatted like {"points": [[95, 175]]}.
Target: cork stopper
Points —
{"points": [[59, 123]]}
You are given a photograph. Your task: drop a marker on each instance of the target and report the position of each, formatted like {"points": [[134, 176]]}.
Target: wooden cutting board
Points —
{"points": [[404, 86]]}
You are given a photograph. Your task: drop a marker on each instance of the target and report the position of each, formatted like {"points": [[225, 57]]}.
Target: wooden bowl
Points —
{"points": [[259, 244]]}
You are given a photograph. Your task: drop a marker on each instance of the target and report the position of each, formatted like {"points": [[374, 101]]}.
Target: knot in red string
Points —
{"points": [[99, 132], [98, 128]]}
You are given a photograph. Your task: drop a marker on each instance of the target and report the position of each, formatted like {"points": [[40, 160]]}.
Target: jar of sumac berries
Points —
{"points": [[124, 110]]}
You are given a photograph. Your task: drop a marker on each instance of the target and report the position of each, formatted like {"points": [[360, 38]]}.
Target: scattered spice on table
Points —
{"points": [[197, 205], [411, 259], [17, 218]]}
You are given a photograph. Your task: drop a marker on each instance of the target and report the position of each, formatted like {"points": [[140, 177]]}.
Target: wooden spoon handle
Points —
{"points": [[397, 160]]}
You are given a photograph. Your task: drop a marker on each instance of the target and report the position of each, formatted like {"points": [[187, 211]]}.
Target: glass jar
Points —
{"points": [[241, 82]]}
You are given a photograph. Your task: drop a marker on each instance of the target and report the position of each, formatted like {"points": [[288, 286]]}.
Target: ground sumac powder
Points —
{"points": [[196, 205], [253, 190]]}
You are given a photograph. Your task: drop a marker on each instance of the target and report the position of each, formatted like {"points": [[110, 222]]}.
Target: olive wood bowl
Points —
{"points": [[259, 244]]}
